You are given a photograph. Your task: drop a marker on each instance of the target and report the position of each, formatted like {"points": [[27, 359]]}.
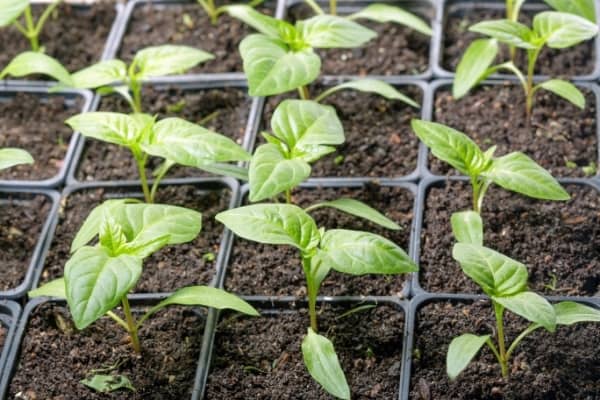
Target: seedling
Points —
{"points": [[504, 280], [215, 12], [12, 10], [514, 171], [583, 8], [9, 157], [98, 278], [175, 140], [556, 30], [346, 251]]}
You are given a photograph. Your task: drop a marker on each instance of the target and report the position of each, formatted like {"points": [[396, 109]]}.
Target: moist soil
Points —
{"points": [[577, 60], [561, 138], [188, 24], [559, 242], [104, 161], [169, 269], [73, 35], [379, 140], [55, 356], [260, 358], [22, 218], [397, 50], [36, 125], [544, 366], [259, 269]]}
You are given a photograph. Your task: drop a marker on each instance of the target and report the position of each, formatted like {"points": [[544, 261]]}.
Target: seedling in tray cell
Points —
{"points": [[9, 157], [215, 12], [11, 12], [583, 8]]}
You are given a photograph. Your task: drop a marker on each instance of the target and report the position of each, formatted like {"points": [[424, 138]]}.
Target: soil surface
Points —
{"points": [[559, 242], [258, 269], [577, 60], [22, 218], [562, 138], [169, 269], [544, 366], [379, 140], [55, 356], [188, 24], [260, 358], [37, 125], [74, 36], [397, 50], [104, 161]]}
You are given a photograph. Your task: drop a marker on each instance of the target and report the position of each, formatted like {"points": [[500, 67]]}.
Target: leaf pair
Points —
{"points": [[9, 157]]}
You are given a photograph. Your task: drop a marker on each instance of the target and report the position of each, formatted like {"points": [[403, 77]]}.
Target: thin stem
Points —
{"points": [[31, 34], [493, 348], [476, 194], [303, 92], [44, 16], [499, 311], [532, 56], [159, 177], [315, 7], [333, 7], [118, 320], [311, 287], [136, 89], [519, 338], [133, 332], [20, 28], [141, 165], [288, 196]]}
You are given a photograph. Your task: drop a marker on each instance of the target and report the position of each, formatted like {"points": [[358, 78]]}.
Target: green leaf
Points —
{"points": [[323, 364], [110, 127], [474, 65], [370, 86], [234, 171], [566, 90], [100, 74], [111, 235], [272, 68], [31, 62], [583, 8], [359, 253], [271, 172], [530, 306], [461, 351], [168, 59], [519, 173], [505, 31], [358, 209], [262, 23], [450, 145], [467, 227], [284, 224], [560, 30], [55, 288], [107, 383], [10, 157], [303, 123], [569, 313], [96, 282], [91, 225], [495, 273], [383, 13], [329, 31], [10, 10]]}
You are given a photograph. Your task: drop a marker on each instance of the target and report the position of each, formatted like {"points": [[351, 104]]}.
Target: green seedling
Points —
{"points": [[504, 280], [514, 171], [12, 10], [215, 12], [583, 8], [175, 140], [9, 157], [98, 278], [345, 251], [553, 29]]}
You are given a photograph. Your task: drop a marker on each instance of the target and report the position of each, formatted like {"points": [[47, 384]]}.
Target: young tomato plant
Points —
{"points": [[346, 251], [514, 171], [98, 278], [175, 140], [9, 157], [215, 12], [556, 30], [504, 280], [12, 10]]}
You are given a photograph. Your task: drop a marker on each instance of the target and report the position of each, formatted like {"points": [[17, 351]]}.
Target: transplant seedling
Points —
{"points": [[9, 157], [345, 251], [175, 140], [514, 171], [98, 278], [504, 280], [215, 12], [12, 10], [556, 30], [583, 8]]}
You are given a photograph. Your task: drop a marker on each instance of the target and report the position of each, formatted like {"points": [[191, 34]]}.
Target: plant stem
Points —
{"points": [[288, 196], [159, 177], [136, 89], [333, 7], [532, 56], [45, 15], [311, 287], [31, 33], [303, 92], [133, 333], [499, 311], [315, 7], [141, 165], [519, 338], [118, 320]]}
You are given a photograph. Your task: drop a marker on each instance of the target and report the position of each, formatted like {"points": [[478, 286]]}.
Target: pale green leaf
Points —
{"points": [[530, 306], [566, 90], [474, 65], [10, 10], [383, 13], [375, 86], [506, 31], [9, 157], [121, 129], [583, 8], [569, 313], [31, 62], [262, 23], [234, 171], [107, 383], [55, 288], [168, 59], [467, 227], [329, 31], [91, 225], [560, 30], [100, 74], [358, 209], [461, 351]]}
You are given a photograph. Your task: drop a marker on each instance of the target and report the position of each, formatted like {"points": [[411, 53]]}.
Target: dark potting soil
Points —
{"points": [[3, 332], [104, 161], [260, 358], [258, 269], [73, 35], [577, 60], [397, 50], [21, 221], [169, 269], [188, 24], [559, 242], [544, 366], [379, 140], [562, 138], [55, 356], [36, 125]]}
